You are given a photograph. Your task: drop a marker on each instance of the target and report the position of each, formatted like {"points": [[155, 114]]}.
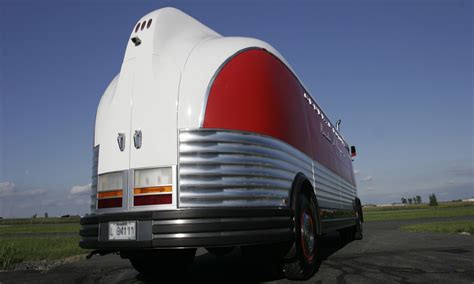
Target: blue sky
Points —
{"points": [[398, 74]]}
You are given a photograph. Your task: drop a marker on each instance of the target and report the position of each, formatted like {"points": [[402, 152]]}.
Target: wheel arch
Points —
{"points": [[302, 185], [358, 208]]}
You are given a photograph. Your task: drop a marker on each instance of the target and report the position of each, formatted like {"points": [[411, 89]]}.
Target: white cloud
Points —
{"points": [[31, 192], [367, 179], [7, 188], [370, 189], [80, 189], [356, 171]]}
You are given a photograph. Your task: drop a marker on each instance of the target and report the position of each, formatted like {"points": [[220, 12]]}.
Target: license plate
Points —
{"points": [[125, 230]]}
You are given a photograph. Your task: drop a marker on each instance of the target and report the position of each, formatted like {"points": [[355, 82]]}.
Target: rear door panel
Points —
{"points": [[114, 117], [154, 113]]}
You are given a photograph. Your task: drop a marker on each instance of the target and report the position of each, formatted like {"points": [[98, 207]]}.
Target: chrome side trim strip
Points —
{"points": [[231, 168], [219, 233], [215, 220], [95, 178]]}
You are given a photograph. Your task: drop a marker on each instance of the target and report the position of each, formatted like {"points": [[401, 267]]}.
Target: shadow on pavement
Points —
{"points": [[235, 268]]}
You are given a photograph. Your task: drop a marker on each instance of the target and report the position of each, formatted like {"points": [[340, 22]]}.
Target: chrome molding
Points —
{"points": [[220, 234], [332, 191], [229, 168], [95, 167], [232, 168]]}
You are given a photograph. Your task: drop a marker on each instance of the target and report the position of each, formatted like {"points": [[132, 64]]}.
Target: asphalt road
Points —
{"points": [[386, 255]]}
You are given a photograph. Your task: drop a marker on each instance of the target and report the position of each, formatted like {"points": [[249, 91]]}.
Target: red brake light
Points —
{"points": [[109, 203], [152, 199]]}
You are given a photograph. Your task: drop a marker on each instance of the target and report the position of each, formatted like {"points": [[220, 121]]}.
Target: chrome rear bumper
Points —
{"points": [[190, 228]]}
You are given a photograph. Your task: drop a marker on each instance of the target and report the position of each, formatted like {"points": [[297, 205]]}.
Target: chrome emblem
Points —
{"points": [[137, 139], [121, 141]]}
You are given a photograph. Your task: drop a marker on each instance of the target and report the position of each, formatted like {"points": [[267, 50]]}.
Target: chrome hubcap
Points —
{"points": [[307, 235]]}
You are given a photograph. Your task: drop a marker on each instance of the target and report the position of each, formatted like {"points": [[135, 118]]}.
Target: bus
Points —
{"points": [[208, 141]]}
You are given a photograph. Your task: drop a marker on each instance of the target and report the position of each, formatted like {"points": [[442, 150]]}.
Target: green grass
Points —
{"points": [[417, 212], [40, 228], [51, 220], [418, 206], [25, 247], [8, 256], [14, 250], [442, 227]]}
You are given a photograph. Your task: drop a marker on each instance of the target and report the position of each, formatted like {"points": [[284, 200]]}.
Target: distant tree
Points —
{"points": [[433, 200], [46, 215], [404, 200], [410, 201], [34, 216], [418, 199]]}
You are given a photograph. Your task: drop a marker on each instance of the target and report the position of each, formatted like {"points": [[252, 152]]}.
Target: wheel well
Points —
{"points": [[302, 185], [358, 207]]}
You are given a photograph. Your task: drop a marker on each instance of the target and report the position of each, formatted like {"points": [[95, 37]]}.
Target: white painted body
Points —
{"points": [[161, 89]]}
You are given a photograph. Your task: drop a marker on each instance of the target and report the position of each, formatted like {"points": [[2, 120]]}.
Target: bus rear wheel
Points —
{"points": [[304, 263]]}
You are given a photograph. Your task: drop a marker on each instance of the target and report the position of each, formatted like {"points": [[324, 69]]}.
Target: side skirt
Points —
{"points": [[336, 219]]}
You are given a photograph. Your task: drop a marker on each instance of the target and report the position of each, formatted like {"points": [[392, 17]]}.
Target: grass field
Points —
{"points": [[451, 209], [30, 240], [40, 228], [52, 220], [419, 206], [15, 250], [442, 227]]}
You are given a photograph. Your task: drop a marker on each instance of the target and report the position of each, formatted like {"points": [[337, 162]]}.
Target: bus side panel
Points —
{"points": [[256, 92]]}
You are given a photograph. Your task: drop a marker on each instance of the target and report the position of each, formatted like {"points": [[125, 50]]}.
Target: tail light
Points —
{"points": [[110, 190], [153, 187]]}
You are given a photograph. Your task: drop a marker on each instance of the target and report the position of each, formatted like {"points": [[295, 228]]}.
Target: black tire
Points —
{"points": [[358, 229], [170, 261], [304, 263]]}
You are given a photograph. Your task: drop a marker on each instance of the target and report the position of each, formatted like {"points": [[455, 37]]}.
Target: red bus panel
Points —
{"points": [[256, 92]]}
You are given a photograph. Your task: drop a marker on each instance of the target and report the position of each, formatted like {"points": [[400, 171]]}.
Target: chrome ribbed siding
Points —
{"points": [[332, 191], [230, 168], [95, 166], [233, 168]]}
